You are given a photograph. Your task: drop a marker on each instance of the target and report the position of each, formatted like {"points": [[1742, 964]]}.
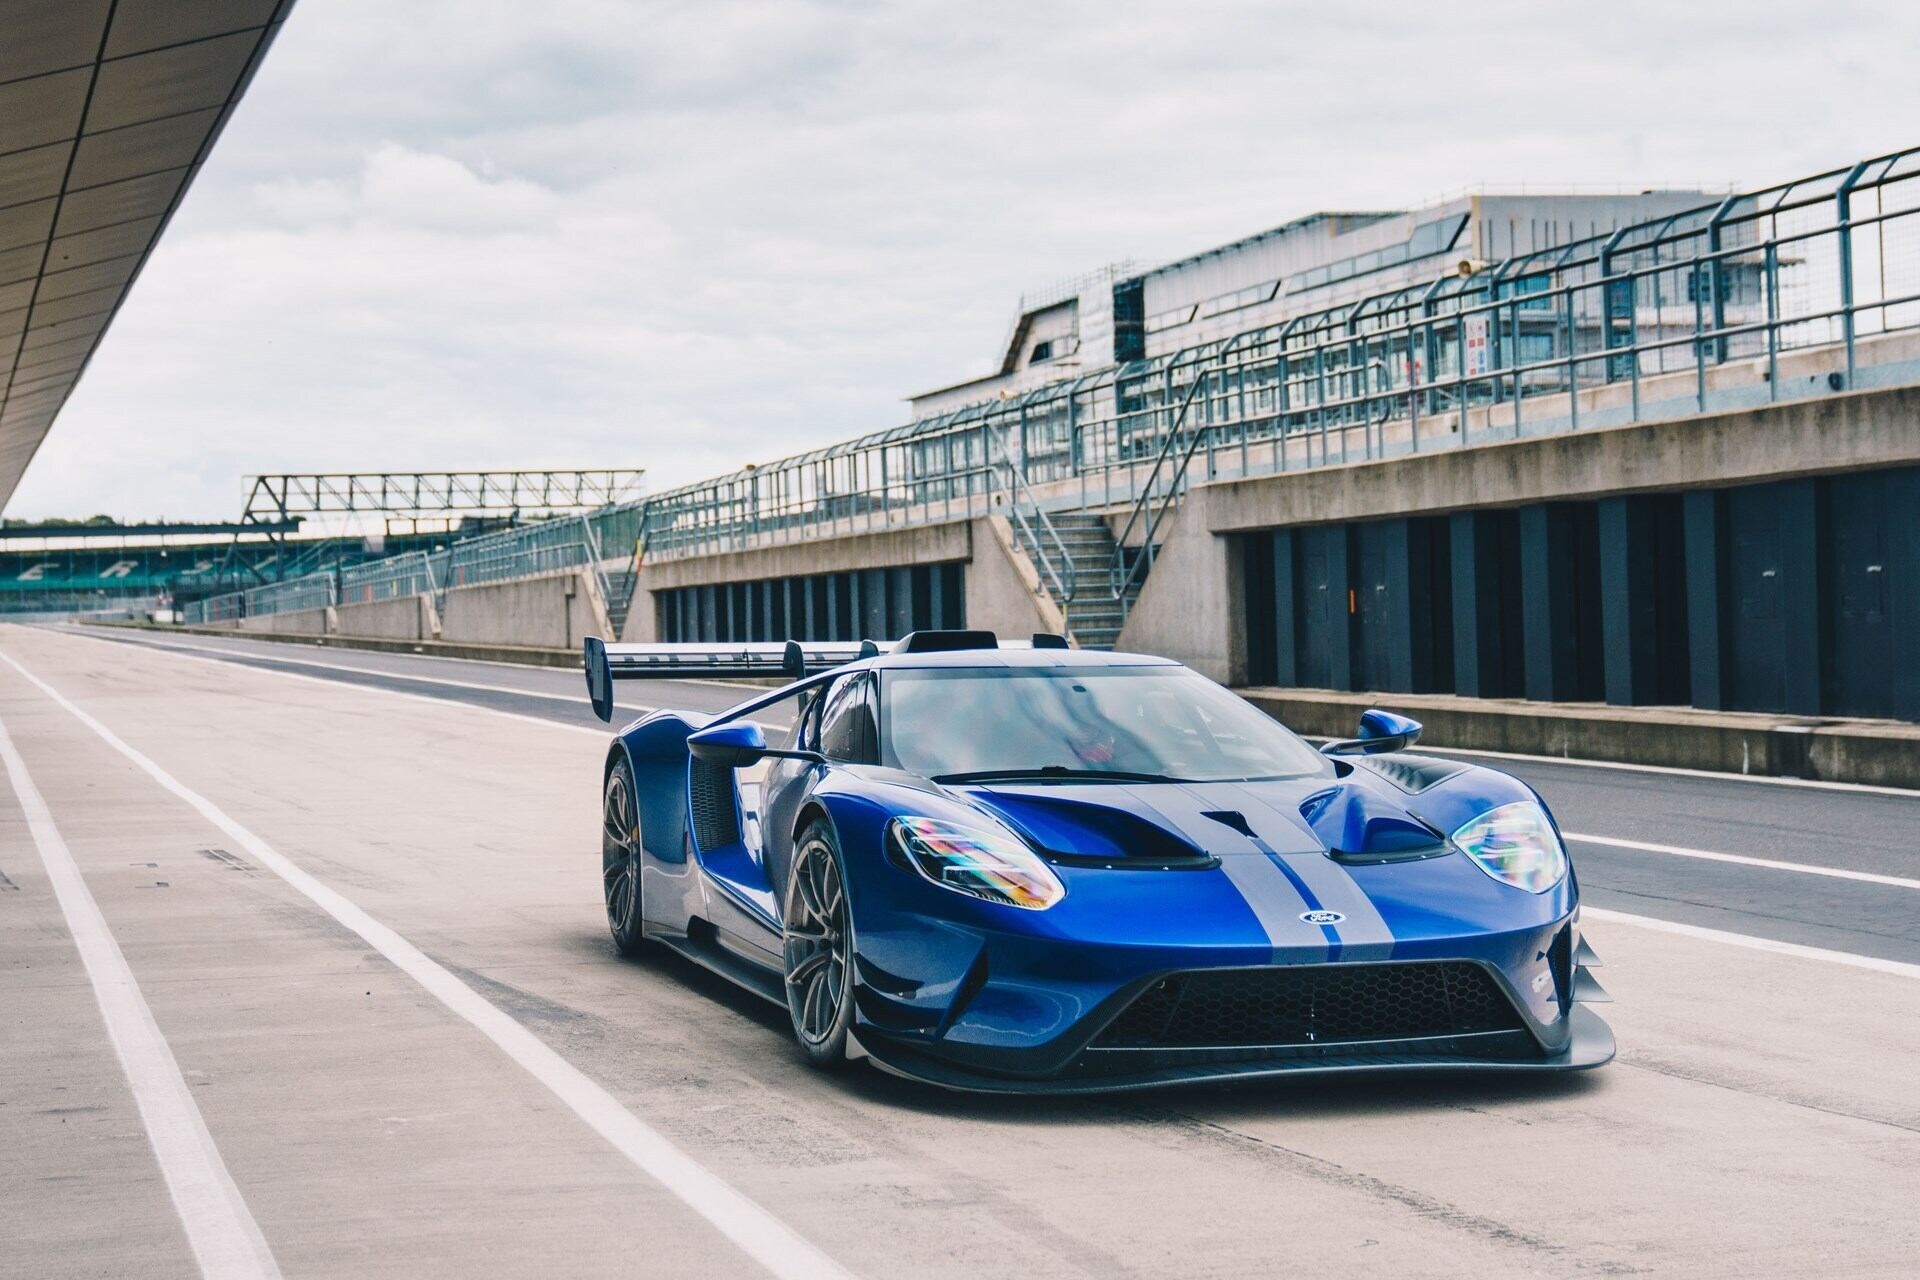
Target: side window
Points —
{"points": [[846, 721], [806, 721]]}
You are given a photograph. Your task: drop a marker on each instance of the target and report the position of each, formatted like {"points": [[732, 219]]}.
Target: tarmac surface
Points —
{"points": [[303, 968]]}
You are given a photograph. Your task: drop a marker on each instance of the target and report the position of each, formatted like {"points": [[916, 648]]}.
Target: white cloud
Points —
{"points": [[690, 235]]}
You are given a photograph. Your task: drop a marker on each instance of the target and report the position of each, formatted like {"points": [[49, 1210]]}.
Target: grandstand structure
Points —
{"points": [[1122, 397], [94, 569]]}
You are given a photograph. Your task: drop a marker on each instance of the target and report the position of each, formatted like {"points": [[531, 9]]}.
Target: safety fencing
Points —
{"points": [[230, 607], [411, 574], [314, 591], [530, 550], [1792, 291], [1714, 308]]}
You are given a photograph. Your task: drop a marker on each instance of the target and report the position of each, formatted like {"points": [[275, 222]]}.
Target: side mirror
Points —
{"points": [[734, 744], [738, 744], [1380, 732]]}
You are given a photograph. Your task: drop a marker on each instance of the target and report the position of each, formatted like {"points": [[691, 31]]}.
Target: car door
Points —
{"points": [[842, 727], [787, 784]]}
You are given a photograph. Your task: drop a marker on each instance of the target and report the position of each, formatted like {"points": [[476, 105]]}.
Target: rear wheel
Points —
{"points": [[620, 859], [818, 940]]}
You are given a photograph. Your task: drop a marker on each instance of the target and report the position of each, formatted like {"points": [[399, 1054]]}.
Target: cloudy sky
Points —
{"points": [[685, 236]]}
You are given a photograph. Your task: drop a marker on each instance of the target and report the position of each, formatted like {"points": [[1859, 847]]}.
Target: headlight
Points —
{"points": [[981, 864], [1517, 845]]}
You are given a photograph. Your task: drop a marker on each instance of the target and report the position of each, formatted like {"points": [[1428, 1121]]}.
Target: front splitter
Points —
{"points": [[1590, 1046]]}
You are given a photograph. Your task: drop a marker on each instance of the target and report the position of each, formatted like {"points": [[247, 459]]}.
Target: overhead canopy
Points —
{"points": [[107, 110]]}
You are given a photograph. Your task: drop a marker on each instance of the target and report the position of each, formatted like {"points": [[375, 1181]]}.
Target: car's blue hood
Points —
{"points": [[1357, 861]]}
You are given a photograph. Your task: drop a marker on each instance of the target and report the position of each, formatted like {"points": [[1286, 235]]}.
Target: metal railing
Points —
{"points": [[1793, 291], [530, 550], [1034, 529], [1751, 299], [410, 574], [314, 591], [224, 608]]}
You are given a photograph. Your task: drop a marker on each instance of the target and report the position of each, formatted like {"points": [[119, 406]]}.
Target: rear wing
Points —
{"points": [[793, 660]]}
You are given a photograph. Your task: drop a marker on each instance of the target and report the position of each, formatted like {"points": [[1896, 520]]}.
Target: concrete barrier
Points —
{"points": [[296, 622], [1192, 605], [1878, 752], [556, 611], [1004, 594], [402, 618]]}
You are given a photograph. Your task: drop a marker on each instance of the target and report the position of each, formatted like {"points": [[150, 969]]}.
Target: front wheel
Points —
{"points": [[818, 940], [620, 859]]}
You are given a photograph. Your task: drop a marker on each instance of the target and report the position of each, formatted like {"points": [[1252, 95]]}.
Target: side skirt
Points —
{"points": [[700, 945]]}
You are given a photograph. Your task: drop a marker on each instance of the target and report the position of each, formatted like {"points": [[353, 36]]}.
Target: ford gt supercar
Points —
{"points": [[1030, 868]]}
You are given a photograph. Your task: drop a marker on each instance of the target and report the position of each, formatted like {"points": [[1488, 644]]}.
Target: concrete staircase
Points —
{"points": [[619, 596], [1093, 615]]}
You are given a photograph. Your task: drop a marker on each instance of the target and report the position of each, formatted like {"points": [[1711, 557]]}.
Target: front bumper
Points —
{"points": [[1589, 1044], [1021, 1014]]}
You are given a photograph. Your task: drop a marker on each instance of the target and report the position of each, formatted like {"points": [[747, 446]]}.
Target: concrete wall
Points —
{"points": [[1807, 437], [402, 618], [299, 622], [1191, 606], [924, 544], [1003, 592], [1003, 586], [557, 611]]}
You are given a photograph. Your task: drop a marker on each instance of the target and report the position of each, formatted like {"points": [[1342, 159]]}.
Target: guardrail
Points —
{"points": [[1683, 314], [410, 574], [529, 550], [226, 608], [1793, 291], [314, 591]]}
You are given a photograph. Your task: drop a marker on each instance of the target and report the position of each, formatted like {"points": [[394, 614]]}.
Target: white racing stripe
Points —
{"points": [[225, 1239], [757, 1233], [1851, 959], [1741, 859]]}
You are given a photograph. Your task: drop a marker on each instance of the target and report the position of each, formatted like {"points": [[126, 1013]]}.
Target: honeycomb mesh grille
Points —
{"points": [[710, 794], [1312, 1004]]}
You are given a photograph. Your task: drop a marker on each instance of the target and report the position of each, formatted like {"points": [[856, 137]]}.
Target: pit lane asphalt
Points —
{"points": [[1854, 830], [1760, 1119]]}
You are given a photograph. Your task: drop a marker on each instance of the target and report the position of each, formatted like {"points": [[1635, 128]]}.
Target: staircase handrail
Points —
{"points": [[1124, 574], [1032, 524]]}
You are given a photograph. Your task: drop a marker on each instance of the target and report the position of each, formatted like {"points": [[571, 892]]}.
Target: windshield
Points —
{"points": [[1129, 723]]}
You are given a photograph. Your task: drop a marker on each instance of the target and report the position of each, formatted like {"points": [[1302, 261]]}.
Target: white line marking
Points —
{"points": [[574, 700], [1851, 959], [1865, 788], [1772, 864], [180, 652], [757, 1233], [225, 1239], [191, 653]]}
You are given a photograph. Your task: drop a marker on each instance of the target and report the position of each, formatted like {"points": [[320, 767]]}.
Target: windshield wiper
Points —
{"points": [[1049, 772]]}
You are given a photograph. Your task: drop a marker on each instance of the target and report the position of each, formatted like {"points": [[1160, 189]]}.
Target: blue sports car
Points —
{"points": [[1030, 868]]}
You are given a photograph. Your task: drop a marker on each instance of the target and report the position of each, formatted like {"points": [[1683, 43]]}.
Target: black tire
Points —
{"points": [[620, 859], [818, 945]]}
